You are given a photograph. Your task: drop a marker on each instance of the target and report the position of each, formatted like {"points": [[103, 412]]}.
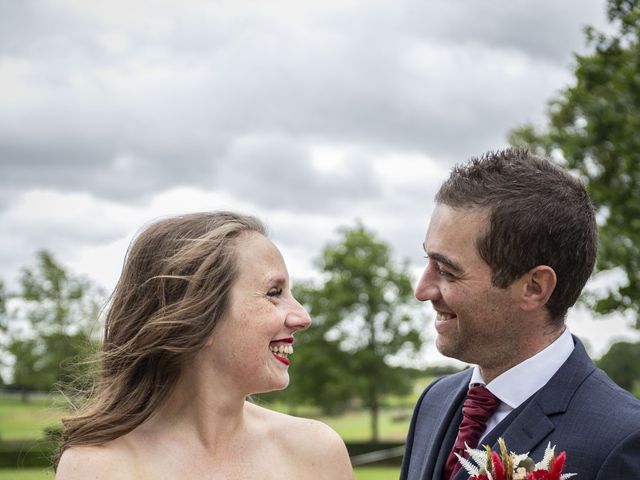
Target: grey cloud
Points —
{"points": [[538, 29], [277, 172], [126, 172], [173, 97]]}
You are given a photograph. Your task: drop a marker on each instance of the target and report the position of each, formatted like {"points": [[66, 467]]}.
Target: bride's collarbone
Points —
{"points": [[264, 458]]}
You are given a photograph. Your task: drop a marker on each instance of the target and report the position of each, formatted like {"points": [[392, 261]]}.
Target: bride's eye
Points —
{"points": [[274, 292]]}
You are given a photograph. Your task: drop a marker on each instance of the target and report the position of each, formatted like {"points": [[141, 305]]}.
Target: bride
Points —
{"points": [[201, 318]]}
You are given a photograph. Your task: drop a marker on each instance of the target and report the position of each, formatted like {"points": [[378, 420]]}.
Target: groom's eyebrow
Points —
{"points": [[438, 257]]}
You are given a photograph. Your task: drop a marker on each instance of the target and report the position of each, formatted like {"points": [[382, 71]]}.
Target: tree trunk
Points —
{"points": [[374, 414]]}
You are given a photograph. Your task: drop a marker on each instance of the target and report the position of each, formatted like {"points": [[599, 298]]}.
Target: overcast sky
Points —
{"points": [[308, 114]]}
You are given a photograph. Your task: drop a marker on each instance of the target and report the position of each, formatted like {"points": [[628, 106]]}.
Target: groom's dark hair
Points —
{"points": [[539, 214]]}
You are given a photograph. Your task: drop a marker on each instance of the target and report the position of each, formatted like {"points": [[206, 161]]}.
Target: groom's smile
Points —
{"points": [[442, 320]]}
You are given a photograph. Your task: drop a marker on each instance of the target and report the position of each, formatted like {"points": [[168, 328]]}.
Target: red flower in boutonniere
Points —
{"points": [[499, 472], [539, 475], [558, 465], [507, 465]]}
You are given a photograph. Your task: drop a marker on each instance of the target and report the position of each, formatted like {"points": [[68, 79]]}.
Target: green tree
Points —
{"points": [[3, 328], [622, 364], [593, 129], [363, 315], [3, 307], [51, 326]]}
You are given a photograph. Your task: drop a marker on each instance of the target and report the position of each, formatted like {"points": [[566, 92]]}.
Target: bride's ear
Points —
{"points": [[537, 286]]}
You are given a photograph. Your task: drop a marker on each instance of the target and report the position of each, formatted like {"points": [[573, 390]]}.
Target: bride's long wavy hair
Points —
{"points": [[173, 289]]}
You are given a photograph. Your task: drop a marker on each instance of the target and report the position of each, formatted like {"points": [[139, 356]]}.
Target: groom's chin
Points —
{"points": [[445, 348]]}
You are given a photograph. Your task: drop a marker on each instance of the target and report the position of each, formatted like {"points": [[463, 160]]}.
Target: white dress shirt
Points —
{"points": [[520, 382]]}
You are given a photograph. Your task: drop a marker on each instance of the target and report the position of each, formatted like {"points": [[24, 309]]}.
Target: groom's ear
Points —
{"points": [[537, 286]]}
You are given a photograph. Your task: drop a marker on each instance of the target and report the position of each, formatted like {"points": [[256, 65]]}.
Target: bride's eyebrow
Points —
{"points": [[277, 279]]}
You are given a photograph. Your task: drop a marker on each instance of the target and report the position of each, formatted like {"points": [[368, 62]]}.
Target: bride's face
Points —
{"points": [[252, 344]]}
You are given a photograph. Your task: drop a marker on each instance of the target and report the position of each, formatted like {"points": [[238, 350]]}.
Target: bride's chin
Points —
{"points": [[281, 384]]}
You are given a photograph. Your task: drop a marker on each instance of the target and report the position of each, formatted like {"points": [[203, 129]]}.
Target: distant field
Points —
{"points": [[353, 426], [30, 474], [28, 420], [374, 473], [356, 426]]}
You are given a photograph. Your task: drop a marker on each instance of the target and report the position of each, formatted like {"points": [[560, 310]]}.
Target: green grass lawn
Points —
{"points": [[373, 473], [356, 426], [28, 420], [26, 474]]}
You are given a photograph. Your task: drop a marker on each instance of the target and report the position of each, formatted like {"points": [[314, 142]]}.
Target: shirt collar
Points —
{"points": [[518, 383]]}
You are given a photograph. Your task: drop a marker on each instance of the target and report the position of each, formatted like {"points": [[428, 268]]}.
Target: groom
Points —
{"points": [[510, 245]]}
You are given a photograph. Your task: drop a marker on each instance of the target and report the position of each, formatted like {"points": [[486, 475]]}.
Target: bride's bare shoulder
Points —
{"points": [[315, 444], [98, 462]]}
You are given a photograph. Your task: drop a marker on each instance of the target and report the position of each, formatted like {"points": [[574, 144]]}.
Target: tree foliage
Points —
{"points": [[362, 314], [593, 129], [622, 364], [3, 328], [51, 325]]}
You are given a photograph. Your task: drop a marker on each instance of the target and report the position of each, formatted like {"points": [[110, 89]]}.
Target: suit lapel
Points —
{"points": [[444, 433], [527, 426], [448, 440], [524, 431]]}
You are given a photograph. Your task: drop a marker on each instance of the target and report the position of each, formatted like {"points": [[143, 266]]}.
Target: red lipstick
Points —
{"points": [[283, 340], [281, 359]]}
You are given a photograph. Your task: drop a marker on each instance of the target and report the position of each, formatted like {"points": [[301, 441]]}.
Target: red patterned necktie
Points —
{"points": [[476, 410]]}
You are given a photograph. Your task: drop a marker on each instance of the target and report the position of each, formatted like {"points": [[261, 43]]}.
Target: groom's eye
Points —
{"points": [[443, 273]]}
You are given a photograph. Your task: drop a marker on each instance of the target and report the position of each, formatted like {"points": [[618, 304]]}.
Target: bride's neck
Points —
{"points": [[198, 409]]}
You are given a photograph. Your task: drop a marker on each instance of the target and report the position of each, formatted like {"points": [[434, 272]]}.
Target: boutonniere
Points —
{"points": [[490, 465]]}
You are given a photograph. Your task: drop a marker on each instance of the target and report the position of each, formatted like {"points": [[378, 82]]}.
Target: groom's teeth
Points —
{"points": [[444, 316]]}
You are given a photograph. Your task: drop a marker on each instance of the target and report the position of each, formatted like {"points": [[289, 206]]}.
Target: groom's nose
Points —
{"points": [[427, 288]]}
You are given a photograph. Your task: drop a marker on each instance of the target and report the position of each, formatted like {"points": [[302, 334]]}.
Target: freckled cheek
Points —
{"points": [[249, 317]]}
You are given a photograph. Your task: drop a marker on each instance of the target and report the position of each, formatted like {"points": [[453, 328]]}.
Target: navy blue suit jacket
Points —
{"points": [[580, 410]]}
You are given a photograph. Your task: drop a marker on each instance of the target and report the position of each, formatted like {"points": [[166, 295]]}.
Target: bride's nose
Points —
{"points": [[297, 317]]}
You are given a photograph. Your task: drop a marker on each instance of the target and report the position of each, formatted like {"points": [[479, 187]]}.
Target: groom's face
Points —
{"points": [[476, 322]]}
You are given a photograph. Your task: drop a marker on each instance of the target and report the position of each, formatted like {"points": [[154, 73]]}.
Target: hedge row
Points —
{"points": [[27, 453]]}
